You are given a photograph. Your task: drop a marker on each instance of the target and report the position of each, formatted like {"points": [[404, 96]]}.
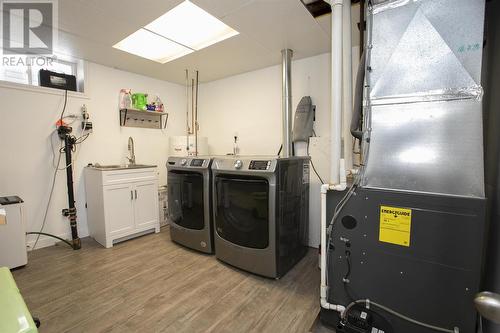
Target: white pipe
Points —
{"points": [[336, 99], [286, 104], [324, 287], [338, 180], [347, 100]]}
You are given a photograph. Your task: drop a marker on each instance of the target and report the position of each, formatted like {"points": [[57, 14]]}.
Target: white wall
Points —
{"points": [[27, 121], [250, 105]]}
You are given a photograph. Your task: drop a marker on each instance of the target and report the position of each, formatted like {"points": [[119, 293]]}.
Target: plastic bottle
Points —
{"points": [[158, 104], [125, 101]]}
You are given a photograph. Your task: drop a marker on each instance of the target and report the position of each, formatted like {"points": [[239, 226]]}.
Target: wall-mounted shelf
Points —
{"points": [[143, 119]]}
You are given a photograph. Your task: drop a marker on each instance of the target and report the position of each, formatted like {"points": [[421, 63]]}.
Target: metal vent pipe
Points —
{"points": [[286, 103]]}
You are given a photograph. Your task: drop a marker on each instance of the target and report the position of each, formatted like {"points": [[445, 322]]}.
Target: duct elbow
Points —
{"points": [[325, 188]]}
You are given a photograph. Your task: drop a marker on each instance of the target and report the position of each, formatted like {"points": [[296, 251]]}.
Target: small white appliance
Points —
{"points": [[13, 251], [179, 145]]}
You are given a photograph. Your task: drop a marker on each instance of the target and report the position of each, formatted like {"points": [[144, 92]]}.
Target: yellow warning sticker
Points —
{"points": [[395, 225]]}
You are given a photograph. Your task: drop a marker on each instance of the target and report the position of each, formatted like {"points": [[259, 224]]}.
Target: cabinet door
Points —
{"points": [[146, 204], [119, 209]]}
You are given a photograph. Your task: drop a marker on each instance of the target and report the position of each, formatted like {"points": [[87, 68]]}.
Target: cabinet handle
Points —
{"points": [[136, 194], [131, 195]]}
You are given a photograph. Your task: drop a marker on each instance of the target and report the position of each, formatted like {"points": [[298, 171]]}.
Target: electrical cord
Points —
{"points": [[352, 296], [348, 261], [64, 107], [279, 151], [50, 235], [54, 177], [316, 172], [368, 303]]}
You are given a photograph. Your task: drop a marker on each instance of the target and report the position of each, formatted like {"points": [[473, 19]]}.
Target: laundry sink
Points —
{"points": [[138, 166], [121, 167], [98, 166]]}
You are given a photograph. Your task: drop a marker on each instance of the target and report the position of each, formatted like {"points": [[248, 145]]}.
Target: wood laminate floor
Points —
{"points": [[150, 284]]}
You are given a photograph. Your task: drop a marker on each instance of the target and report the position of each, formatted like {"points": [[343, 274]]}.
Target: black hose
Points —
{"points": [[358, 99], [53, 236]]}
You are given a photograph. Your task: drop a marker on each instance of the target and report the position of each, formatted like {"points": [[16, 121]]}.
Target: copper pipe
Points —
{"points": [[196, 127]]}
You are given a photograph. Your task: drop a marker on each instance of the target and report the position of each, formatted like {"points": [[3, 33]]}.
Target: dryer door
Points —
{"points": [[242, 210], [185, 199]]}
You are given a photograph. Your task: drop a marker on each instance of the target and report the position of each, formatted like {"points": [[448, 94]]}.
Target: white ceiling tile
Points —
{"points": [[91, 27]]}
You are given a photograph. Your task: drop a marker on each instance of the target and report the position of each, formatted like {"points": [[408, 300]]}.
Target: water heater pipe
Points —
{"points": [[347, 85], [286, 104], [196, 125], [187, 111], [336, 93]]}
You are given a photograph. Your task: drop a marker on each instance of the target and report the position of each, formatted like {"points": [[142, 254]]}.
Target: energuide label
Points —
{"points": [[395, 225]]}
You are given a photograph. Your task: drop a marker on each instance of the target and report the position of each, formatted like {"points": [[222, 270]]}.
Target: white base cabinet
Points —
{"points": [[121, 204]]}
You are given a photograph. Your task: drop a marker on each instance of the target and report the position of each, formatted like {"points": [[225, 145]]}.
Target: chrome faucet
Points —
{"points": [[131, 157]]}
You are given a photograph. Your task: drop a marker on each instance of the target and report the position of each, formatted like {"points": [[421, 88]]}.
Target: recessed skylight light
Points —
{"points": [[151, 46], [189, 25], [182, 30]]}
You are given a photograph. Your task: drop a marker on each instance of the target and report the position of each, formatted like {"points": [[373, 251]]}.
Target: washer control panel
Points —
{"points": [[259, 165], [197, 162], [188, 162]]}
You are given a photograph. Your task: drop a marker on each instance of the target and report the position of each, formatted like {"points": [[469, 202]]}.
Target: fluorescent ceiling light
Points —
{"points": [[191, 26], [151, 46], [180, 31]]}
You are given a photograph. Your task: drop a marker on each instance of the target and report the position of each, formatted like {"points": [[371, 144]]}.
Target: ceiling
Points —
{"points": [[89, 29]]}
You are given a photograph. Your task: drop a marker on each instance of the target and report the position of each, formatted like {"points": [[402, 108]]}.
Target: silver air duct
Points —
{"points": [[286, 103]]}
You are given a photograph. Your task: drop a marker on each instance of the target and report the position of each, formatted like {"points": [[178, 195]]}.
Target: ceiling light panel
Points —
{"points": [[191, 26], [150, 45]]}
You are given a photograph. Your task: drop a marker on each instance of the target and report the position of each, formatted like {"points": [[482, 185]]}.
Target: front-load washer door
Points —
{"points": [[185, 199], [242, 210]]}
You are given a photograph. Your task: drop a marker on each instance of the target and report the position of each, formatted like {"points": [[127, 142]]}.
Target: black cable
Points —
{"points": [[352, 296], [50, 235], [348, 260], [279, 151], [64, 107], [316, 172], [54, 177]]}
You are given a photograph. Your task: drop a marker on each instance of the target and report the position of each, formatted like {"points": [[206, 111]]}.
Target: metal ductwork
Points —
{"points": [[286, 103]]}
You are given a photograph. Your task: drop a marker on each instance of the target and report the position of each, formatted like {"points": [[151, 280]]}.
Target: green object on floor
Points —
{"points": [[14, 316]]}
